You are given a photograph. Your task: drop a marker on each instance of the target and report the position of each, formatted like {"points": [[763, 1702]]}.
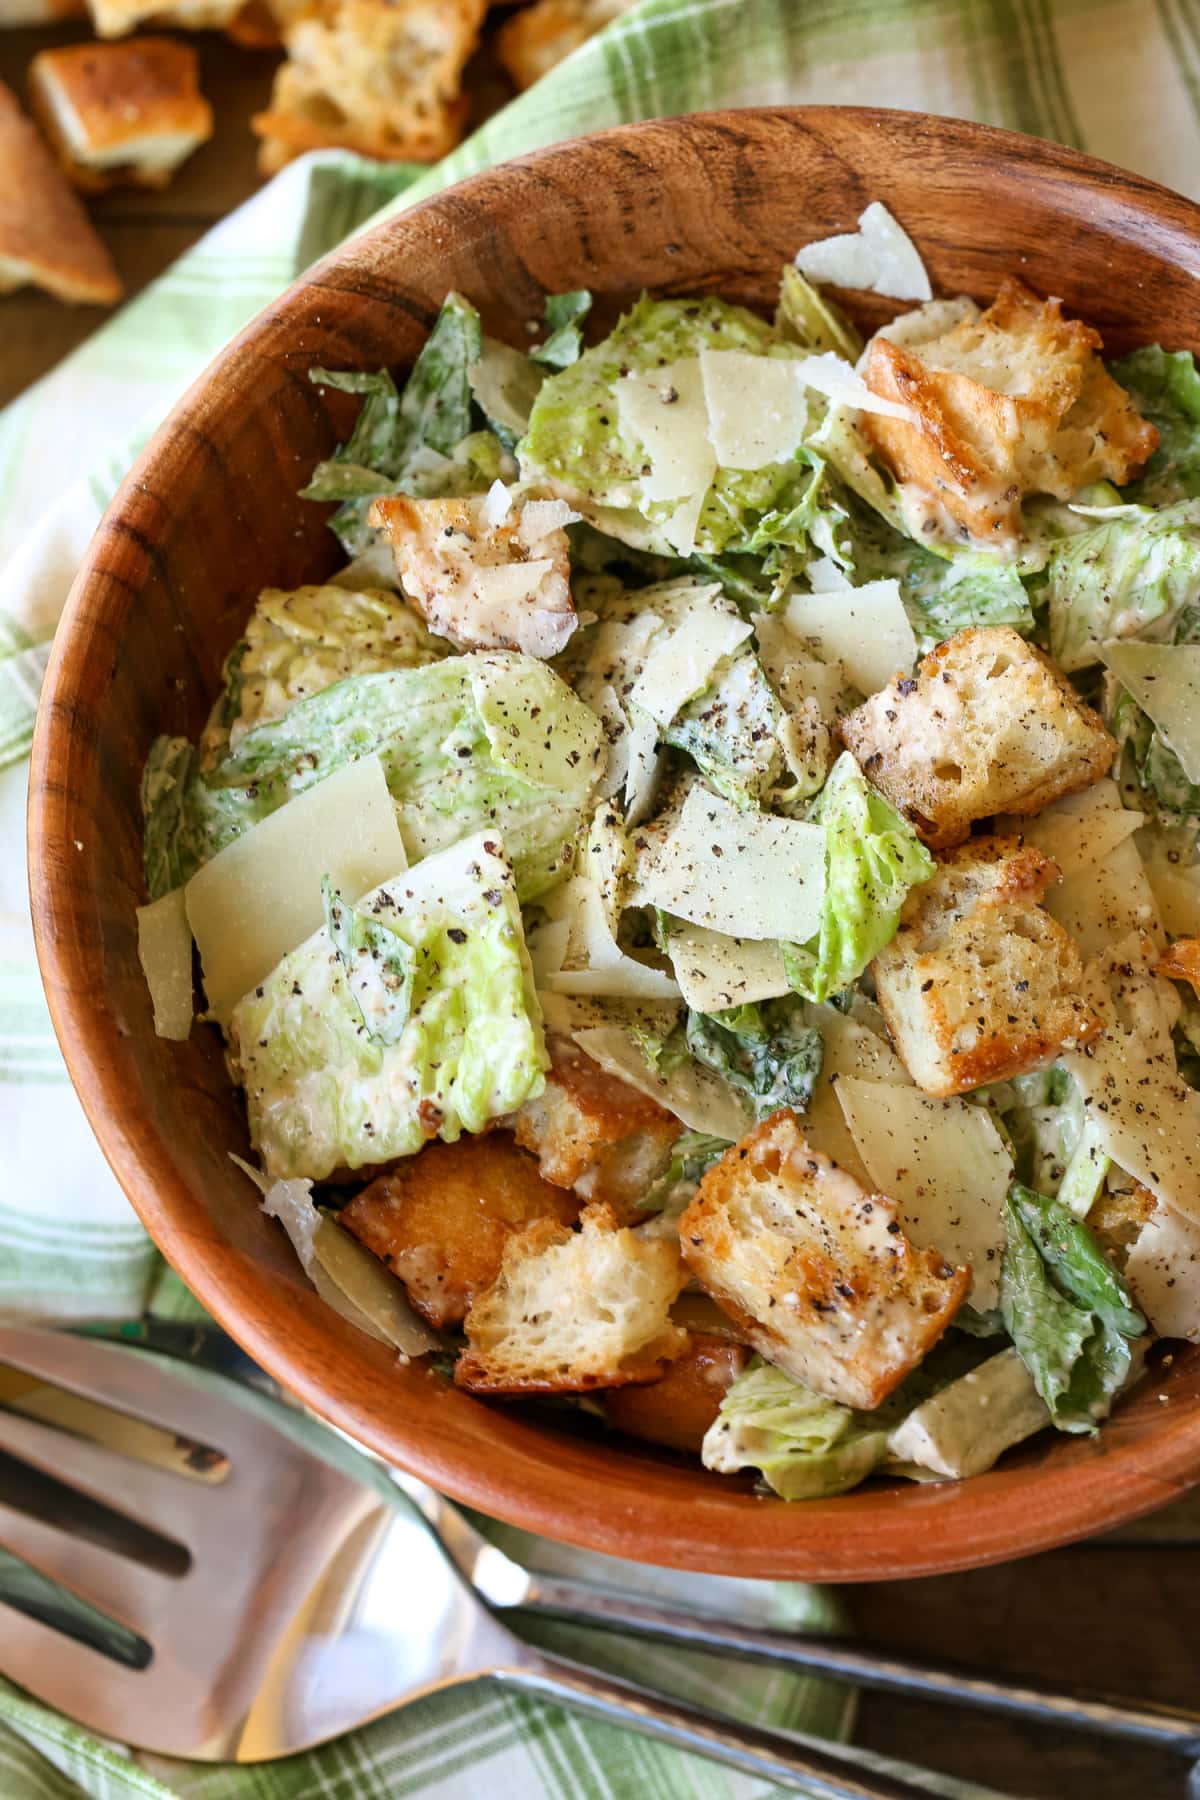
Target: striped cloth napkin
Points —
{"points": [[1119, 78]]}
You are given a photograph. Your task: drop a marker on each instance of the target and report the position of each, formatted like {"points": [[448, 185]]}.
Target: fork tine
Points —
{"points": [[91, 1687], [133, 1595]]}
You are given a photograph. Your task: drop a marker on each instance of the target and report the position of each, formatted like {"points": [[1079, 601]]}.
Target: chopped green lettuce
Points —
{"points": [[575, 445], [692, 1157], [1165, 387], [1066, 1309], [1132, 574], [872, 858], [765, 1052], [942, 597], [399, 436], [563, 342], [323, 1093], [803, 1445], [475, 740], [809, 318], [731, 731], [1151, 774], [376, 961]]}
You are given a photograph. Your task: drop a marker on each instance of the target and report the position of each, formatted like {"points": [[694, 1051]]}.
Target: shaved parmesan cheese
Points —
{"points": [[715, 971], [497, 504], [1080, 830], [852, 1048], [831, 375], [540, 517], [165, 953], [879, 257], [757, 414], [1102, 902], [927, 322], [547, 948], [964, 1428], [1145, 1116], [505, 383], [791, 669], [1163, 1269], [698, 1097], [1176, 889], [645, 766], [943, 1163], [260, 897], [600, 966], [662, 412], [1164, 679], [865, 629], [746, 874], [681, 528], [681, 662]]}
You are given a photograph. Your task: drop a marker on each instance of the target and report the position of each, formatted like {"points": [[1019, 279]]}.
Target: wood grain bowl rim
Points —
{"points": [[612, 1499]]}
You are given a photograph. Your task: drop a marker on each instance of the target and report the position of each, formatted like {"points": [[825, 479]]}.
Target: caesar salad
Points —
{"points": [[704, 907]]}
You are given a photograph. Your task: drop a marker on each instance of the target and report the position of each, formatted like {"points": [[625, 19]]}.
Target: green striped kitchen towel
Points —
{"points": [[1120, 78]]}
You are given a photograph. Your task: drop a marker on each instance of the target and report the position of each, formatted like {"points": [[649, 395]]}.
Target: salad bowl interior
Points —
{"points": [[211, 514]]}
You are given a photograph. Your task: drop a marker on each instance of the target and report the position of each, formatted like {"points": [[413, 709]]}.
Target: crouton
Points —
{"points": [[979, 982], [988, 725], [1118, 1219], [440, 1219], [114, 18], [485, 586], [14, 13], [594, 1133], [534, 40], [817, 1271], [573, 1310], [1182, 963], [382, 77], [120, 113], [46, 238], [1013, 402], [678, 1409]]}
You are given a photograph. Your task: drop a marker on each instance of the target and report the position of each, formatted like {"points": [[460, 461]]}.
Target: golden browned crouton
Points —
{"points": [[1119, 1217], [573, 1310], [816, 1270], [1182, 962], [979, 982], [1013, 402], [120, 113], [113, 18], [534, 40], [485, 585], [987, 725], [678, 1409], [382, 77], [594, 1133], [440, 1219], [45, 236]]}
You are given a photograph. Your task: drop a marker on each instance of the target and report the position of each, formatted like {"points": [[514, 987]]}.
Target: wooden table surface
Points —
{"points": [[1121, 1613]]}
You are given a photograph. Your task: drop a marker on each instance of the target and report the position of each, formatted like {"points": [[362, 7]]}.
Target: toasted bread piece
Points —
{"points": [[534, 40], [120, 113], [678, 1409], [1014, 402], [1182, 962], [14, 13], [483, 586], [987, 725], [1119, 1217], [116, 18], [816, 1270], [382, 77], [573, 1310], [594, 1133], [979, 982], [46, 238], [440, 1219]]}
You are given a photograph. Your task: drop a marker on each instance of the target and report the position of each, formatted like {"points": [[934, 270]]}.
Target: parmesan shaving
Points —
{"points": [[1164, 679], [600, 966], [165, 953], [715, 971], [748, 875], [681, 663], [662, 412], [497, 505], [1163, 1269], [698, 1097], [831, 375], [879, 257], [945, 1166], [644, 767], [757, 413], [865, 629], [1081, 829], [259, 898]]}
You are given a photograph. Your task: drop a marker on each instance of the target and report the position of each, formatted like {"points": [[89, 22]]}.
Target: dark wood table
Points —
{"points": [[1121, 1613]]}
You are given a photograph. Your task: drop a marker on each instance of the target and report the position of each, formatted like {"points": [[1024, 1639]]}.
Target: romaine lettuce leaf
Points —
{"points": [[498, 740], [322, 1093], [395, 430], [378, 964], [765, 1052], [694, 1154], [1150, 773], [731, 732], [1066, 1309], [574, 443], [873, 856], [943, 597], [564, 340], [1133, 574], [803, 1445], [809, 318], [1165, 388]]}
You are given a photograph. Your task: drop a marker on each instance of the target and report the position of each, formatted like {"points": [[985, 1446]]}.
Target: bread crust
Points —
{"points": [[45, 236], [97, 102], [536, 39], [678, 1409], [987, 725], [816, 1271]]}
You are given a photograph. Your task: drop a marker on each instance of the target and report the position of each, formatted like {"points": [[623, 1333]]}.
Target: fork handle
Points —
{"points": [[788, 1759], [1162, 1727]]}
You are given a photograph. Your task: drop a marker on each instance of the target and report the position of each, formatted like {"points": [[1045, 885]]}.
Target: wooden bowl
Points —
{"points": [[209, 516]]}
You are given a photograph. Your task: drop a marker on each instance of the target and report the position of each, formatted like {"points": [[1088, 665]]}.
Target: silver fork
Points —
{"points": [[227, 1595]]}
